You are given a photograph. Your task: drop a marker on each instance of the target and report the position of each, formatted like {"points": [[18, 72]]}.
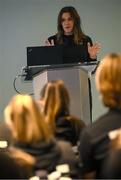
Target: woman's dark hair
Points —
{"points": [[77, 31]]}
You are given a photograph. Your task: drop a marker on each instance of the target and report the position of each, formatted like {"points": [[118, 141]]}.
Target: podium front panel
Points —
{"points": [[76, 81]]}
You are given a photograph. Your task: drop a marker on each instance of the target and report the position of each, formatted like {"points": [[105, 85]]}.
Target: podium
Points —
{"points": [[76, 78]]}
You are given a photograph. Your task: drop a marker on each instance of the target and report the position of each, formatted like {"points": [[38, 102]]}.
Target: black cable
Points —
{"points": [[14, 84]]}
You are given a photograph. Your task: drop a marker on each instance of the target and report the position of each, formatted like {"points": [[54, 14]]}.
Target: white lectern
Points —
{"points": [[76, 79]]}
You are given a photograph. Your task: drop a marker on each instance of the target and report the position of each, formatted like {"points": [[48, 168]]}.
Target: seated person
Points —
{"points": [[55, 102], [33, 136], [94, 145]]}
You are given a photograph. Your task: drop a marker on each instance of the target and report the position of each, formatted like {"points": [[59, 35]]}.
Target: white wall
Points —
{"points": [[28, 22]]}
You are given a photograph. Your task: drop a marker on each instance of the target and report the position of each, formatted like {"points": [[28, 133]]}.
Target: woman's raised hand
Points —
{"points": [[47, 43], [93, 50]]}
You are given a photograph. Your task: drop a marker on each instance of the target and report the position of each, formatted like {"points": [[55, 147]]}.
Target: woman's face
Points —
{"points": [[67, 23]]}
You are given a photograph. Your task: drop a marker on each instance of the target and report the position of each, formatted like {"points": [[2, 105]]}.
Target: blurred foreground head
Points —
{"points": [[108, 80], [25, 120]]}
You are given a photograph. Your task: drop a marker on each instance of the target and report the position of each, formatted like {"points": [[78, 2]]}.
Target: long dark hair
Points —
{"points": [[57, 101], [77, 31]]}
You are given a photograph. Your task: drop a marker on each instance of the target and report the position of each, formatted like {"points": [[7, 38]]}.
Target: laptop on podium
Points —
{"points": [[42, 57], [54, 55]]}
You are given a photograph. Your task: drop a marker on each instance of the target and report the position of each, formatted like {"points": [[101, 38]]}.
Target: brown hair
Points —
{"points": [[77, 31], [57, 101], [25, 120], [108, 80]]}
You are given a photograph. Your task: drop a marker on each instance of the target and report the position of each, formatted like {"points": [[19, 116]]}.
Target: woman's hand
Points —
{"points": [[93, 50], [47, 43]]}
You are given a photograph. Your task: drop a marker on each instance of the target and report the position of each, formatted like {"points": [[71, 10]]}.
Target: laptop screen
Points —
{"points": [[44, 55], [55, 55]]}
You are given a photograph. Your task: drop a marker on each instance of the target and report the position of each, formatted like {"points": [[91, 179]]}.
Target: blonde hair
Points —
{"points": [[27, 123], [108, 80], [57, 101]]}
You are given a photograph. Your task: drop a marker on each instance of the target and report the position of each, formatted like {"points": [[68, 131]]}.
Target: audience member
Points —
{"points": [[32, 136], [94, 143], [56, 103]]}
